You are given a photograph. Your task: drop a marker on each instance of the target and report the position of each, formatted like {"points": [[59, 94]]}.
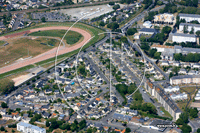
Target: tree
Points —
{"points": [[192, 31], [157, 55], [43, 19], [111, 3], [193, 112], [128, 130], [186, 128], [142, 38], [124, 39], [131, 31], [115, 7], [4, 105], [2, 128], [114, 18], [198, 130], [198, 32], [102, 24], [185, 29]]}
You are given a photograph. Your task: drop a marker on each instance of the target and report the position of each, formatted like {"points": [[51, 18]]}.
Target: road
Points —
{"points": [[135, 46], [17, 22]]}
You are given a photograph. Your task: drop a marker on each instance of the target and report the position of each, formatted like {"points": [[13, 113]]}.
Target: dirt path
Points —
{"points": [[49, 54]]}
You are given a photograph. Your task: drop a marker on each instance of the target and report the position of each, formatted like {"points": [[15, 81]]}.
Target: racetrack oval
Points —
{"points": [[49, 54]]}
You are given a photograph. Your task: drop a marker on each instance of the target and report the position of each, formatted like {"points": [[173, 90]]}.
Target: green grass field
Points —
{"points": [[2, 43], [71, 37], [92, 30]]}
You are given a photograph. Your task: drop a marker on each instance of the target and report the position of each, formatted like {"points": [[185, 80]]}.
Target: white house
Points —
{"points": [[180, 96], [28, 128], [147, 24], [172, 89]]}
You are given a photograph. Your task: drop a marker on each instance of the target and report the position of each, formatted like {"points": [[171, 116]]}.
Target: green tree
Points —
{"points": [[115, 7], [198, 33], [2, 128], [193, 112], [4, 105], [198, 130], [157, 55], [43, 19], [128, 130], [131, 31], [186, 128], [102, 24], [124, 39]]}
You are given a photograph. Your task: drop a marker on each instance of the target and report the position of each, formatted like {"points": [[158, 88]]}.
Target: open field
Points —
{"points": [[2, 43], [93, 32], [21, 48], [70, 38]]}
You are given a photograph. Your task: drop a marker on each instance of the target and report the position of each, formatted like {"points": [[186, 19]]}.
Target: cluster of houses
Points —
{"points": [[151, 70], [175, 94], [167, 52]]}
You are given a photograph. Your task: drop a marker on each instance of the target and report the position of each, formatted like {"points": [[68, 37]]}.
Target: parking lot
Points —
{"points": [[94, 11]]}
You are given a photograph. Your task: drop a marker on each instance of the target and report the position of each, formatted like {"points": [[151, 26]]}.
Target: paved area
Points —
{"points": [[94, 10]]}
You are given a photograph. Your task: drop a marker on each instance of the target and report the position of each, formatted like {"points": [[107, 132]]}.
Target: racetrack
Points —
{"points": [[49, 54]]}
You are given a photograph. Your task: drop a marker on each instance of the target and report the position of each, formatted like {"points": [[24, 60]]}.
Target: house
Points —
{"points": [[181, 96], [172, 89], [48, 91], [45, 114], [165, 63], [147, 24], [3, 111], [122, 117], [196, 65], [7, 117], [182, 71], [192, 72], [68, 89], [25, 127]]}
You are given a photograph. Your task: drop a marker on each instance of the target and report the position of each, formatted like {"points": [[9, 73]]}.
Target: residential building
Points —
{"points": [[163, 98], [185, 79], [189, 17], [180, 37], [180, 96], [28, 128], [189, 27]]}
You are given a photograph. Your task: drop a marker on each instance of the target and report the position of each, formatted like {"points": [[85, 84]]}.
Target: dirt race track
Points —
{"points": [[49, 54]]}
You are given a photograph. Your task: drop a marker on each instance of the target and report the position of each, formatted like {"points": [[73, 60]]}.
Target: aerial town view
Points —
{"points": [[99, 66]]}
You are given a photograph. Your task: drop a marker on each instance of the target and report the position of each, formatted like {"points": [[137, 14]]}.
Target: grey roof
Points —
{"points": [[189, 24], [182, 34], [148, 30], [185, 76], [189, 15]]}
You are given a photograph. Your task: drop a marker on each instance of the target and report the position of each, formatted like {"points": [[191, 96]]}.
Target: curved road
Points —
{"points": [[49, 54]]}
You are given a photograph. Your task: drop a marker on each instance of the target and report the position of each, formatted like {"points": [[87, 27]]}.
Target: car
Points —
{"points": [[144, 91]]}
